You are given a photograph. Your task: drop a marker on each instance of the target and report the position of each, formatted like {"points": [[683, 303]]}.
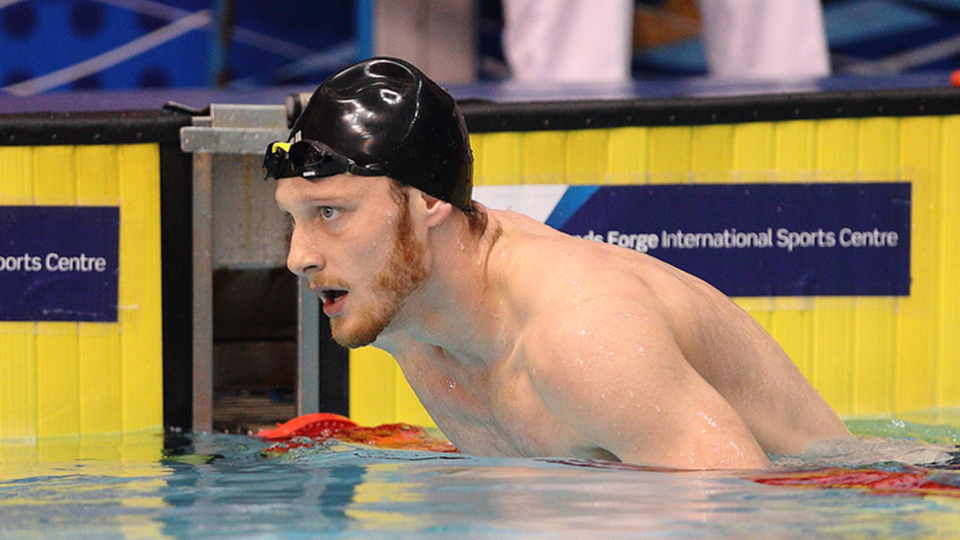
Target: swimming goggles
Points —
{"points": [[310, 159]]}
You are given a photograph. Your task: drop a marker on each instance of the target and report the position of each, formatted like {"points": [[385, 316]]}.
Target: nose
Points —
{"points": [[304, 257]]}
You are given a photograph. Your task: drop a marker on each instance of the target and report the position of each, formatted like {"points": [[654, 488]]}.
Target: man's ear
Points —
{"points": [[436, 211]]}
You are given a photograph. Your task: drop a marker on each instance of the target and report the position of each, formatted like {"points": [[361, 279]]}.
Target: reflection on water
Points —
{"points": [[95, 487], [220, 486]]}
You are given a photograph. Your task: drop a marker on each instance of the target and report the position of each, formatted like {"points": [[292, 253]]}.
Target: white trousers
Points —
{"points": [[591, 40]]}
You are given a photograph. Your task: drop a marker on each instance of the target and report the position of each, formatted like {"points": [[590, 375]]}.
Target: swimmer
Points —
{"points": [[518, 339]]}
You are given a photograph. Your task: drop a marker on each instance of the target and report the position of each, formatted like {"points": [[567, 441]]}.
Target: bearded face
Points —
{"points": [[398, 277], [354, 240]]}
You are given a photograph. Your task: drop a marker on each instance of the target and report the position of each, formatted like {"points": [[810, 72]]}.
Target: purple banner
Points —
{"points": [[840, 239], [59, 263]]}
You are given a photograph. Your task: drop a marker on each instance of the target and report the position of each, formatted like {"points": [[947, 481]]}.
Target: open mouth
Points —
{"points": [[332, 300]]}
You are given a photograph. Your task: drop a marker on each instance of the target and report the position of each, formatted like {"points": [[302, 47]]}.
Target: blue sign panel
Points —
{"points": [[59, 263], [840, 239]]}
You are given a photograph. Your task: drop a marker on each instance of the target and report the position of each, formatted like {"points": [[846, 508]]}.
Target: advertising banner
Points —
{"points": [[815, 239], [59, 263]]}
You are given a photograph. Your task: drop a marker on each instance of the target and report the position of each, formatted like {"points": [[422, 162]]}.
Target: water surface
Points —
{"points": [[222, 486]]}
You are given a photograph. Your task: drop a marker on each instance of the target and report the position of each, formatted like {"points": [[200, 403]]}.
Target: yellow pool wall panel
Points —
{"points": [[865, 355], [79, 378]]}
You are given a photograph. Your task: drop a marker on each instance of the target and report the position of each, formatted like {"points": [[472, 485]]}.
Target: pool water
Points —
{"points": [[222, 486]]}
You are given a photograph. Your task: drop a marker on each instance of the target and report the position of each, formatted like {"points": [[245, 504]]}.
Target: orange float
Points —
{"points": [[313, 429]]}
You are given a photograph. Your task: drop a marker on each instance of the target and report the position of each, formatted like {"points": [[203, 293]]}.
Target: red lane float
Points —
{"points": [[316, 425], [915, 482], [312, 429]]}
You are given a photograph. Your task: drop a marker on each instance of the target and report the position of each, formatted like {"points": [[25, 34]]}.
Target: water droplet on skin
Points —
{"points": [[709, 420]]}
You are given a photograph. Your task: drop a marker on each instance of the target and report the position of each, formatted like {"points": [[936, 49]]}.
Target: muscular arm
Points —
{"points": [[611, 370]]}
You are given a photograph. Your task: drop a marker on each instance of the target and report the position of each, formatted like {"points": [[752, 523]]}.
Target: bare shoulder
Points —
{"points": [[540, 258], [583, 303], [555, 280], [580, 300], [599, 345]]}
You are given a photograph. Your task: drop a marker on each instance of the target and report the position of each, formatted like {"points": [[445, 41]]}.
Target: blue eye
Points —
{"points": [[327, 212]]}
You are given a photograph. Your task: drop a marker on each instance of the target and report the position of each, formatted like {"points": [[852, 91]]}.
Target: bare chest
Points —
{"points": [[495, 413]]}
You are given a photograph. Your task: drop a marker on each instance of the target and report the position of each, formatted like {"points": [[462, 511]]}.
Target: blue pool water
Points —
{"points": [[221, 486]]}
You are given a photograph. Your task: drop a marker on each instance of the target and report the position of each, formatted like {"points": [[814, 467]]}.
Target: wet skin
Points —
{"points": [[523, 341]]}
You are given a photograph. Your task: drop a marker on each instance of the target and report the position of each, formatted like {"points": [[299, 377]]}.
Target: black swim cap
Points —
{"points": [[384, 115]]}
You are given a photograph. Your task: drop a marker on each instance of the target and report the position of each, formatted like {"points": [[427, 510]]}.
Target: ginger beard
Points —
{"points": [[400, 276]]}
